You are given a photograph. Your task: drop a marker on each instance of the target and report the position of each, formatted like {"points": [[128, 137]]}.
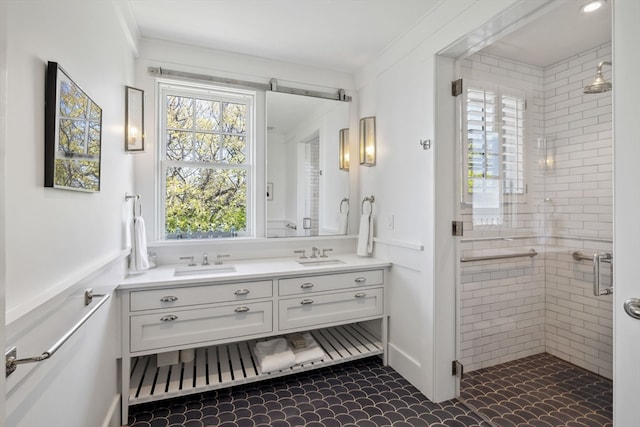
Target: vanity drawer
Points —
{"points": [[192, 295], [193, 326], [316, 310], [329, 282]]}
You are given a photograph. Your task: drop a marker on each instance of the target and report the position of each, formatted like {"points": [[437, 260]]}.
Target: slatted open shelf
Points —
{"points": [[233, 364]]}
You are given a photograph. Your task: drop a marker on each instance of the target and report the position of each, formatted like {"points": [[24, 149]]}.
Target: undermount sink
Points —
{"points": [[203, 270], [319, 262]]}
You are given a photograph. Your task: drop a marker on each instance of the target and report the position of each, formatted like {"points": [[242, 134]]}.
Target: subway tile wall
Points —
{"points": [[517, 307]]}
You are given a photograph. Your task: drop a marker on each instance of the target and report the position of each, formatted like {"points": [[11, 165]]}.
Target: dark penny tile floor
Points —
{"points": [[539, 391], [362, 393]]}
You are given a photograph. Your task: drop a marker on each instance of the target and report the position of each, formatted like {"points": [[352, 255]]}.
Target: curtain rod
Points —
{"points": [[272, 86]]}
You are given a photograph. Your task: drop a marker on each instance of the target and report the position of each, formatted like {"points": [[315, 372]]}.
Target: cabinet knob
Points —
{"points": [[242, 292], [169, 318], [360, 295], [307, 285], [169, 298], [360, 279], [306, 301], [242, 309]]}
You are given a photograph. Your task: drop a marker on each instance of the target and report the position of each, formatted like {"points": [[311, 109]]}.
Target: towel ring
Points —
{"points": [[370, 200], [343, 201]]}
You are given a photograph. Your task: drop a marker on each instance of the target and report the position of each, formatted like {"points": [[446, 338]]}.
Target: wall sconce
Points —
{"points": [[134, 119], [368, 141], [343, 147]]}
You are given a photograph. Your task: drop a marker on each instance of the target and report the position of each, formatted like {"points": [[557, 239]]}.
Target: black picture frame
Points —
{"points": [[73, 134]]}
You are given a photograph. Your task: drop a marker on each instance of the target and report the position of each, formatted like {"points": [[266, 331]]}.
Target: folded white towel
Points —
{"points": [[343, 223], [365, 236], [139, 257], [274, 355], [168, 358], [311, 353]]}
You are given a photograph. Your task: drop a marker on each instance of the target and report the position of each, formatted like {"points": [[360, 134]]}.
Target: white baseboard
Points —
{"points": [[112, 418]]}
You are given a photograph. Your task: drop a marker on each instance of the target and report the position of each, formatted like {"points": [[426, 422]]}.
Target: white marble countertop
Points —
{"points": [[254, 269]]}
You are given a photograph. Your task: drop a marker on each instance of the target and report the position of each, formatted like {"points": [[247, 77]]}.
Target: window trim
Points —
{"points": [[248, 97]]}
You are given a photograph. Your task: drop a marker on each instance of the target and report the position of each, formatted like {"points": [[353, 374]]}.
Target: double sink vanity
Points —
{"points": [[219, 312]]}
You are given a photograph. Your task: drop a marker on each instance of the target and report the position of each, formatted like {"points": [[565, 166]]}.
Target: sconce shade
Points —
{"points": [[134, 119], [368, 141], [343, 147]]}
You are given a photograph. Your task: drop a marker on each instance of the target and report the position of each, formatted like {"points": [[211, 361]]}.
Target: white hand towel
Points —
{"points": [[168, 358], [365, 236], [139, 257], [274, 355], [311, 353], [343, 223]]}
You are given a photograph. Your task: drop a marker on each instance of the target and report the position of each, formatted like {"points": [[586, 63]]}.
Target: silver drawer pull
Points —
{"points": [[242, 292], [307, 285], [169, 318], [360, 279], [242, 309], [169, 298], [306, 301], [360, 295]]}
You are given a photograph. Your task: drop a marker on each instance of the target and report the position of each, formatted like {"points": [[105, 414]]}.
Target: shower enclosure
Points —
{"points": [[535, 187]]}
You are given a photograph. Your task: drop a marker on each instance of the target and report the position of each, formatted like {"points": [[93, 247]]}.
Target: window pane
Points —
{"points": [[203, 199], [234, 118], [179, 112], [179, 145], [233, 150], [207, 115]]}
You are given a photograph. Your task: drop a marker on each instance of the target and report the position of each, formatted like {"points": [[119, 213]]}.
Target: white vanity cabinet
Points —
{"points": [[222, 319]]}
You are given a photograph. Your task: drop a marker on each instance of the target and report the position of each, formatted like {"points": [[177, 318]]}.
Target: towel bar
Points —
{"points": [[10, 356], [531, 253]]}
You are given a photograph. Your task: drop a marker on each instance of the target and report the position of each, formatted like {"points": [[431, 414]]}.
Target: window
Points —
{"points": [[493, 150], [206, 161]]}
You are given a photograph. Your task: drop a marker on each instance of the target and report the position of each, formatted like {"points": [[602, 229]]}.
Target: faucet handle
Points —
{"points": [[219, 258], [205, 259], [324, 253], [303, 252], [190, 258]]}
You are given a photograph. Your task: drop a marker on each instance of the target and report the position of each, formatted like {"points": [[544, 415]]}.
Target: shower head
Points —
{"points": [[599, 85]]}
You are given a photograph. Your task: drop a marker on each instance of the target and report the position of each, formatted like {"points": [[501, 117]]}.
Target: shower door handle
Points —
{"points": [[632, 307], [597, 259]]}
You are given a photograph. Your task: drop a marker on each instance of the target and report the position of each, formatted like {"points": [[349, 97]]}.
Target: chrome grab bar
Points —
{"points": [[11, 360], [597, 258], [532, 252]]}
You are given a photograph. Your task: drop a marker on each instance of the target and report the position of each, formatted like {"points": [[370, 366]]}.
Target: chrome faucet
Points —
{"points": [[303, 252], [205, 259], [324, 253], [190, 258], [219, 259], [314, 252]]}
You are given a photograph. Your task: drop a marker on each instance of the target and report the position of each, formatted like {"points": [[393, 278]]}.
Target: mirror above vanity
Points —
{"points": [[307, 192]]}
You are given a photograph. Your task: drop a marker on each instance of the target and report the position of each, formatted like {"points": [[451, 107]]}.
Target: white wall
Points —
{"points": [[63, 232], [400, 88], [3, 178], [56, 240], [155, 53]]}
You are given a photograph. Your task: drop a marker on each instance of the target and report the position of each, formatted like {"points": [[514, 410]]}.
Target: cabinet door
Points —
{"points": [[205, 294], [339, 307], [329, 282], [194, 326]]}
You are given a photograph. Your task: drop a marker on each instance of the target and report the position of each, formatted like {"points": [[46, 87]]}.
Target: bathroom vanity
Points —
{"points": [[222, 311]]}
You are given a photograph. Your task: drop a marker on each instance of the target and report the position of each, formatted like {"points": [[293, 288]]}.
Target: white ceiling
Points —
{"points": [[341, 35], [561, 33], [345, 35]]}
